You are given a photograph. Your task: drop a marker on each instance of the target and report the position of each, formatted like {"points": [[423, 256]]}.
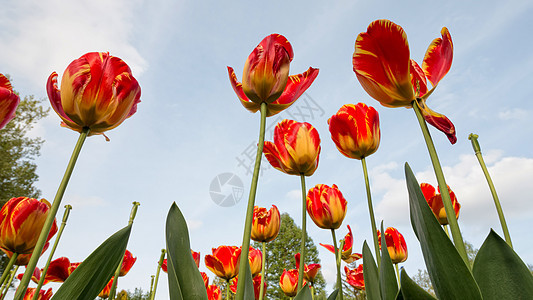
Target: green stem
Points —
{"points": [[263, 263], [338, 262], [446, 230], [151, 287], [7, 269], [23, 285], [304, 234], [312, 292], [446, 200], [477, 149], [398, 275], [5, 288], [227, 289], [251, 201], [371, 213], [161, 258], [113, 290], [59, 233]]}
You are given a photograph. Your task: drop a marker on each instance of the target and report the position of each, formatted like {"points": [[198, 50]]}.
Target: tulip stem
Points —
{"points": [[52, 251], [7, 269], [5, 288], [446, 230], [477, 149], [21, 290], [398, 275], [113, 290], [446, 200], [371, 213], [159, 264], [263, 263], [251, 202], [151, 287], [338, 263], [304, 234]]}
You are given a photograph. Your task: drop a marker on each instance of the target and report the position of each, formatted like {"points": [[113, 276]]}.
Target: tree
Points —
{"points": [[138, 294], [280, 255]]}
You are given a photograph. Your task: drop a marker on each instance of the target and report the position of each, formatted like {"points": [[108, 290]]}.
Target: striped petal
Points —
{"points": [[438, 58], [439, 121]]}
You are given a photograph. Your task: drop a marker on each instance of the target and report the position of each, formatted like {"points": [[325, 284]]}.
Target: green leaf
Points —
{"points": [[370, 273], [499, 271], [249, 283], [185, 281], [387, 276], [449, 275], [333, 295], [410, 290], [303, 294], [94, 273]]}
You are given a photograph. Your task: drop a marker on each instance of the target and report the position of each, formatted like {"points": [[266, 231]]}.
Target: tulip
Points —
{"points": [[326, 206], [224, 261], [355, 130], [395, 245], [435, 202], [205, 278], [43, 295], [256, 282], [21, 221], [265, 224], [346, 254], [107, 289], [289, 282], [295, 149], [266, 77], [355, 277], [310, 271], [127, 263], [164, 266], [36, 276], [196, 257], [8, 101], [58, 270], [23, 259], [213, 293], [98, 91], [382, 64], [255, 259]]}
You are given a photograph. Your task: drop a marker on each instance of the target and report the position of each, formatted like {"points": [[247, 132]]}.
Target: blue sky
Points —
{"points": [[190, 126]]}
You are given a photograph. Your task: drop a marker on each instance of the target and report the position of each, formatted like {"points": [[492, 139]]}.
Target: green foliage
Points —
{"points": [[138, 294], [280, 256]]}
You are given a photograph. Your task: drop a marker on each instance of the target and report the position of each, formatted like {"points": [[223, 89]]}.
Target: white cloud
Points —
{"points": [[514, 114]]}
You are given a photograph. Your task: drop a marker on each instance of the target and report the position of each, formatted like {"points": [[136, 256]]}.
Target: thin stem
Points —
{"points": [[7, 269], [371, 213], [251, 201], [59, 233], [312, 292], [398, 275], [446, 230], [151, 286], [159, 264], [5, 288], [227, 289], [113, 290], [477, 149], [446, 200], [304, 234], [23, 285], [338, 262], [262, 286]]}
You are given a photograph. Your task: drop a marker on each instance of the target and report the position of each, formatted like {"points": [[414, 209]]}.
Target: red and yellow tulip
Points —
{"points": [[8, 101], [256, 282], [213, 293], [98, 91], [107, 289], [265, 224], [355, 277], [355, 130], [196, 257], [326, 206], [434, 200], [43, 295], [346, 254], [310, 271], [224, 261], [382, 64], [255, 259], [395, 245], [289, 282], [127, 263], [295, 149], [266, 77], [205, 278], [21, 221]]}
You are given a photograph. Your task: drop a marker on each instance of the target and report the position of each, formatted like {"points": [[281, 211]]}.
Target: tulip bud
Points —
{"points": [[289, 282], [224, 262], [326, 206], [395, 245], [8, 101], [265, 224], [435, 202]]}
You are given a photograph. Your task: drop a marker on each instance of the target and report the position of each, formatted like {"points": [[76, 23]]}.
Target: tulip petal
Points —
{"points": [[381, 63], [8, 101], [438, 58], [237, 87], [439, 121], [418, 79]]}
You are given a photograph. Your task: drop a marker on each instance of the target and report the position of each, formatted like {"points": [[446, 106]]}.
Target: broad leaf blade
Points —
{"points": [[185, 273], [333, 295], [410, 290], [449, 275], [303, 294], [370, 274], [387, 277], [249, 283], [93, 274], [499, 271]]}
